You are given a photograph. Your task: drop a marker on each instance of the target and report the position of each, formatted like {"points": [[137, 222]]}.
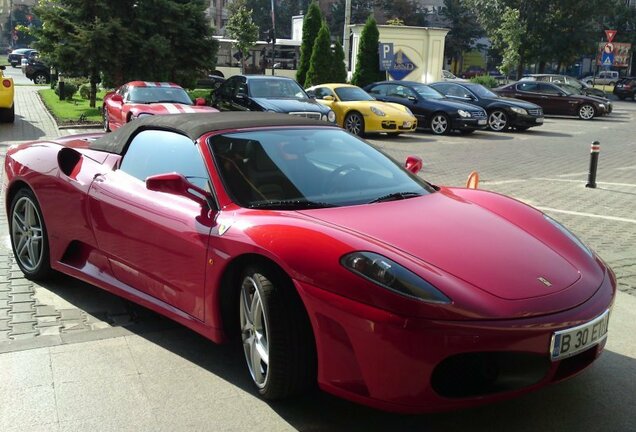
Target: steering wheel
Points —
{"points": [[340, 172]]}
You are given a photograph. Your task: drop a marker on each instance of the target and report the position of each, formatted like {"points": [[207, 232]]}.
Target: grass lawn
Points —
{"points": [[74, 110]]}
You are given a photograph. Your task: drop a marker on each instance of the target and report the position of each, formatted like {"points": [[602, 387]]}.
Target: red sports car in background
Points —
{"points": [[141, 98], [331, 262]]}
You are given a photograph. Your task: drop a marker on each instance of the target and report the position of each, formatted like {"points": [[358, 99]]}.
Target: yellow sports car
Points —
{"points": [[359, 113], [7, 110]]}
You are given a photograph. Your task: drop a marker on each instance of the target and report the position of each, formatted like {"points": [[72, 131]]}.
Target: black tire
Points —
{"points": [[30, 235], [354, 123], [105, 122], [498, 121], [586, 111], [7, 115], [40, 79], [440, 124], [281, 326]]}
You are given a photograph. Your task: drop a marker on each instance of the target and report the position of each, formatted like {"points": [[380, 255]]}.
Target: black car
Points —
{"points": [[503, 113], [626, 88], [268, 93], [431, 108], [38, 72], [16, 56]]}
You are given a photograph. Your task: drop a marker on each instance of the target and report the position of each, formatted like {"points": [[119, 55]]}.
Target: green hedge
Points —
{"points": [[485, 80]]}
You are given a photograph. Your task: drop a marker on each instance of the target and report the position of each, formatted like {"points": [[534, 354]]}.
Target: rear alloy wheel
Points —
{"points": [[498, 121], [40, 79], [277, 338], [587, 112], [354, 123], [28, 236], [7, 115], [440, 124], [105, 122]]}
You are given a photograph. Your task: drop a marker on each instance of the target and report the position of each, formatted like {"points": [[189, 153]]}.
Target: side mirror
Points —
{"points": [[2, 67], [199, 101], [117, 98], [176, 184], [328, 98], [413, 164]]}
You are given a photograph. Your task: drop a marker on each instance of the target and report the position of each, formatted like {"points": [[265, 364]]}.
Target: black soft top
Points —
{"points": [[195, 125]]}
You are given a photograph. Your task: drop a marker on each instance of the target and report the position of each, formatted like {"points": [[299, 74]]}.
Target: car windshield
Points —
{"points": [[158, 94], [428, 92], [482, 91], [349, 94], [568, 89], [304, 168], [276, 88]]}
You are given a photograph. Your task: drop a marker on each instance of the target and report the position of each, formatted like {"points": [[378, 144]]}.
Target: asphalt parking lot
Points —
{"points": [[73, 357]]}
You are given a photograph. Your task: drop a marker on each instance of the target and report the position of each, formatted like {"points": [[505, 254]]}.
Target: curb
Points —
{"points": [[80, 126]]}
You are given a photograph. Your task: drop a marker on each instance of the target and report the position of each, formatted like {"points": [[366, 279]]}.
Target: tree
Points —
{"points": [[360, 10], [338, 67], [464, 29], [367, 63], [320, 71], [241, 27], [410, 12], [156, 40], [311, 27]]}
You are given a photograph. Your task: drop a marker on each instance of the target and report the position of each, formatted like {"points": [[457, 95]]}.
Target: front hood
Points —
{"points": [[390, 109], [516, 103], [463, 239], [170, 108], [450, 104], [285, 105]]}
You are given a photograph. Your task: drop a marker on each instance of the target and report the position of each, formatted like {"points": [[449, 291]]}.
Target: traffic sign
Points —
{"points": [[610, 35], [608, 59], [385, 51]]}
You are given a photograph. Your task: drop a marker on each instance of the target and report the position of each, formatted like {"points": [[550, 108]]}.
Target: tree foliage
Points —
{"points": [[338, 67], [311, 27], [156, 40], [464, 29], [360, 10], [241, 28], [321, 59], [367, 63]]}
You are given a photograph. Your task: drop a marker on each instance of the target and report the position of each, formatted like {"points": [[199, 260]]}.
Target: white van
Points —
{"points": [[603, 78]]}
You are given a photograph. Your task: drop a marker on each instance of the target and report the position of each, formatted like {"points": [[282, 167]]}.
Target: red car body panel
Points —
{"points": [[120, 112], [170, 254]]}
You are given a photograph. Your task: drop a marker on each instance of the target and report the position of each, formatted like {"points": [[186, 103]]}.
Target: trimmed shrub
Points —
{"points": [[70, 88], [85, 91], [339, 69], [311, 26], [320, 71], [485, 80]]}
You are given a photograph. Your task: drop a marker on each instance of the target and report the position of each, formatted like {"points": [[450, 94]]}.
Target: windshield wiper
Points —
{"points": [[291, 204], [396, 196]]}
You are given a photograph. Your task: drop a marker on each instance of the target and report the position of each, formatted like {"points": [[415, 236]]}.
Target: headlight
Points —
{"points": [[463, 113], [331, 116], [377, 111], [519, 110], [390, 275], [601, 106], [569, 235]]}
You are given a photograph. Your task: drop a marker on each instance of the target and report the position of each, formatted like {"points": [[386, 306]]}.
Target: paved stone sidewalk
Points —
{"points": [[32, 121]]}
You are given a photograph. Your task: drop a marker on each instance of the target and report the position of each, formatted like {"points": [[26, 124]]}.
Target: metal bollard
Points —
{"points": [[594, 153]]}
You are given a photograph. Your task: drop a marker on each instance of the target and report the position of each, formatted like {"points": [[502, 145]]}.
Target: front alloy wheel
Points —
{"points": [[354, 123], [40, 79], [498, 121], [586, 112], [28, 236], [277, 339], [440, 124]]}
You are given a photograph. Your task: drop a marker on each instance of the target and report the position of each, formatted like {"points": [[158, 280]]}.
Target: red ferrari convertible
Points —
{"points": [[331, 262], [142, 98]]}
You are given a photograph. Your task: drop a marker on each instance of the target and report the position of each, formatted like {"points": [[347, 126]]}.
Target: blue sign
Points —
{"points": [[607, 59], [402, 66], [385, 51]]}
